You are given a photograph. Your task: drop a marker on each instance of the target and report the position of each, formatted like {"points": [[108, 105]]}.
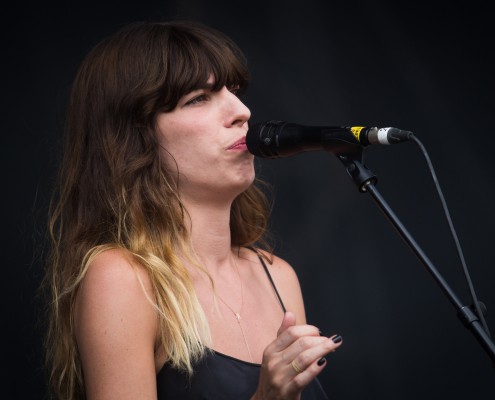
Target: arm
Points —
{"points": [[296, 347], [115, 329]]}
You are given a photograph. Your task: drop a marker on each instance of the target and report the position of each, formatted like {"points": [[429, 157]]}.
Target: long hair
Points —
{"points": [[114, 192]]}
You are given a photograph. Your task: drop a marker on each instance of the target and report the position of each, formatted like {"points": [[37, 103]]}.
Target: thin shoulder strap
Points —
{"points": [[269, 277]]}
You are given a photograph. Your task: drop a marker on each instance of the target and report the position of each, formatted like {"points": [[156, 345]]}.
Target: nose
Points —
{"points": [[237, 112]]}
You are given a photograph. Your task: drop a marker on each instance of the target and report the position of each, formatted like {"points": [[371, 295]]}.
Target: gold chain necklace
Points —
{"points": [[238, 314]]}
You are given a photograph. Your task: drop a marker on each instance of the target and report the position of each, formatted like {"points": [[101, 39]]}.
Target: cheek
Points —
{"points": [[185, 154], [186, 144], [172, 139]]}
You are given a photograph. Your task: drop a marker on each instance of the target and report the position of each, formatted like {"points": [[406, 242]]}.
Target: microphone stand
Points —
{"points": [[366, 181]]}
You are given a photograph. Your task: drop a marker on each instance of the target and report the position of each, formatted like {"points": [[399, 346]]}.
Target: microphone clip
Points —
{"points": [[360, 174]]}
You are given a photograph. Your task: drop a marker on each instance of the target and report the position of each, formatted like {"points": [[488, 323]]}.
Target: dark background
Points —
{"points": [[420, 67]]}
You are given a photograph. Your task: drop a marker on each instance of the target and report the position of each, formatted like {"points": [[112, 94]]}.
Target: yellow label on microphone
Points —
{"points": [[356, 131]]}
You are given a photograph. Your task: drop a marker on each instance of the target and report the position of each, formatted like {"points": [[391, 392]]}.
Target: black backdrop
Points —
{"points": [[423, 68]]}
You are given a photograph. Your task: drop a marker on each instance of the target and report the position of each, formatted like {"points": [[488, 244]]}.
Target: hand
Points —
{"points": [[293, 360]]}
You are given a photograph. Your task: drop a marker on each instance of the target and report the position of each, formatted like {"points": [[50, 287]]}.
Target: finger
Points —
{"points": [[295, 340], [307, 366], [297, 337], [288, 320], [313, 358]]}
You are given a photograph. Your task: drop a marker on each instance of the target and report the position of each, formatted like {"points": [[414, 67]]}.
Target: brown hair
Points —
{"points": [[113, 191]]}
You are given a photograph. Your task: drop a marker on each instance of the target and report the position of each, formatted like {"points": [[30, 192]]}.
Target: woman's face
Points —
{"points": [[204, 138]]}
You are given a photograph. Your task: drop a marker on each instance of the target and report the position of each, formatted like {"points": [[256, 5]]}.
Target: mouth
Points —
{"points": [[239, 144]]}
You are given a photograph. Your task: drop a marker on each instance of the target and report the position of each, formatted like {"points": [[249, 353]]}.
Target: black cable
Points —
{"points": [[476, 304]]}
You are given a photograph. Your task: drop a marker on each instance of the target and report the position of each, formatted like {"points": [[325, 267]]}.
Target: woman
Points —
{"points": [[161, 286]]}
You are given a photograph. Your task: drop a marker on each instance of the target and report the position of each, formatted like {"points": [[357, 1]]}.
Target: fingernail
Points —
{"points": [[337, 339], [320, 332], [321, 361]]}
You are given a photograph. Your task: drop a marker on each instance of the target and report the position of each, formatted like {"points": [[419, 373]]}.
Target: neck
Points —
{"points": [[209, 229]]}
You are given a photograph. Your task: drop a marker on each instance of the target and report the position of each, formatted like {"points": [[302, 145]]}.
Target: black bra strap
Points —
{"points": [[269, 277]]}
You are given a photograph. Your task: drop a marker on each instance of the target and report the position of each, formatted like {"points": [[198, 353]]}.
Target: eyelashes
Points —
{"points": [[197, 99], [205, 96]]}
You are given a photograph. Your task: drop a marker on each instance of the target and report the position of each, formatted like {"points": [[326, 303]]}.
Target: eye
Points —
{"points": [[198, 99]]}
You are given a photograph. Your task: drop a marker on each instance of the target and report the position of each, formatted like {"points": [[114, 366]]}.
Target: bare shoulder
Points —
{"points": [[279, 268], [113, 282], [115, 325], [287, 283], [114, 269]]}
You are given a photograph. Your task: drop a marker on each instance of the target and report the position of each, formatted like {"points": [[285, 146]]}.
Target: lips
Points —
{"points": [[239, 144]]}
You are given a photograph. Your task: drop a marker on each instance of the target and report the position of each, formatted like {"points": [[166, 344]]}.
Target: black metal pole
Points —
{"points": [[366, 180]]}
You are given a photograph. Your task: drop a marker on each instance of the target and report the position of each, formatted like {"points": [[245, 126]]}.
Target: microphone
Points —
{"points": [[275, 139]]}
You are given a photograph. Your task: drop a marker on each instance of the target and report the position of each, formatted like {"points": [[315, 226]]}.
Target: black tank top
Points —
{"points": [[218, 376]]}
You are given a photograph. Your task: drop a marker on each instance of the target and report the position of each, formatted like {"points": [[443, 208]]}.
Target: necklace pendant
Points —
{"points": [[238, 316]]}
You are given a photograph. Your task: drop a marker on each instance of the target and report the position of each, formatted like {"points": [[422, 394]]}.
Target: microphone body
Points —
{"points": [[274, 139]]}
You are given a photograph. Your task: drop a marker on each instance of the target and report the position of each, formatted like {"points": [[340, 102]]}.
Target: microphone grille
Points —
{"points": [[259, 139]]}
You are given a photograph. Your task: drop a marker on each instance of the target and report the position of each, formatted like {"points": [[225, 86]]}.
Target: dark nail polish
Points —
{"points": [[337, 339], [321, 361]]}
